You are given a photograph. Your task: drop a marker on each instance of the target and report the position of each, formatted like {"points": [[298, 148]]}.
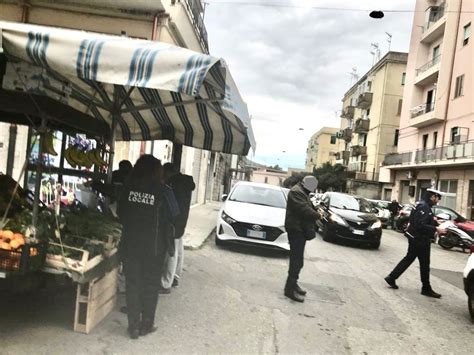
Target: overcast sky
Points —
{"points": [[292, 65]]}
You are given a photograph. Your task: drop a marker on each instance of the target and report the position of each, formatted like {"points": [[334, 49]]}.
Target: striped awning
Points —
{"points": [[152, 90]]}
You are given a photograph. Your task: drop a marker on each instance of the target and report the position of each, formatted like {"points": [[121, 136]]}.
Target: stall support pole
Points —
{"points": [[113, 135], [39, 171]]}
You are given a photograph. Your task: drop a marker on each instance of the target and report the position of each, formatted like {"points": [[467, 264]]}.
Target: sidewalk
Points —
{"points": [[201, 224]]}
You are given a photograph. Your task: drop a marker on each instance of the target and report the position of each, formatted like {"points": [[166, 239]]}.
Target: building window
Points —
{"points": [[266, 179], [425, 141], [404, 76], [454, 133], [458, 90], [435, 139], [333, 139], [467, 34], [399, 110], [450, 188], [395, 139], [369, 86]]}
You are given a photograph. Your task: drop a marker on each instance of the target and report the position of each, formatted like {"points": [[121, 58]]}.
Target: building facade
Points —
{"points": [[369, 123], [179, 22], [436, 144], [322, 148]]}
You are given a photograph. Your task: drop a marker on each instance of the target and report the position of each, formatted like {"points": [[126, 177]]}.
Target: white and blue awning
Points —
{"points": [[153, 90]]}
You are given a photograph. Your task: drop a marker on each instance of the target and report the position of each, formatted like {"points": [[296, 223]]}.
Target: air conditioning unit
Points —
{"points": [[411, 175]]}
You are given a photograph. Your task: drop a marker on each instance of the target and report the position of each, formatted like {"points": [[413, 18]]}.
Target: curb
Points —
{"points": [[197, 247]]}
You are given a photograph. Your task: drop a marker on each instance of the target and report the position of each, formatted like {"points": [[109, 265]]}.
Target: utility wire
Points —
{"points": [[280, 5]]}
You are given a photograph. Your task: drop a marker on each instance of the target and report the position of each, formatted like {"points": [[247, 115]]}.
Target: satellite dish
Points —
{"points": [[376, 14]]}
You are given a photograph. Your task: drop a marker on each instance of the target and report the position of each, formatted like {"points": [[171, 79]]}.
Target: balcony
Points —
{"points": [[364, 101], [428, 72], [343, 155], [358, 150], [424, 115], [434, 28], [348, 112], [196, 14], [345, 134], [447, 155], [362, 126]]}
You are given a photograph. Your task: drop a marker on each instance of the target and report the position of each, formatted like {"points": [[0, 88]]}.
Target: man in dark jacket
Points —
{"points": [[182, 186], [421, 229], [300, 225], [394, 207]]}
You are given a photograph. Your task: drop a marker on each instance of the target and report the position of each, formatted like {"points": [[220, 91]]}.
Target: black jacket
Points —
{"points": [[183, 186], [147, 215], [300, 213], [422, 223]]}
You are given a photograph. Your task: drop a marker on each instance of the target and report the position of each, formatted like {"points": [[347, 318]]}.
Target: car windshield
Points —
{"points": [[258, 195], [382, 204], [348, 202], [454, 215]]}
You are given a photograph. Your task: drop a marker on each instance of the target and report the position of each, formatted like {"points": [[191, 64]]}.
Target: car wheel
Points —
{"points": [[470, 302], [325, 234]]}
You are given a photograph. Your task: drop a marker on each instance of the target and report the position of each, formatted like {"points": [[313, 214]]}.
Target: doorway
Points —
{"points": [[421, 186], [470, 201]]}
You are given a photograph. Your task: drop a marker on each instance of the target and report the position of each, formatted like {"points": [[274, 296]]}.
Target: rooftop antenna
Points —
{"points": [[389, 40], [354, 75], [375, 53]]}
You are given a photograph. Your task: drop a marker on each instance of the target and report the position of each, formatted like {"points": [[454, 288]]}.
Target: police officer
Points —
{"points": [[300, 225], [146, 209], [421, 229]]}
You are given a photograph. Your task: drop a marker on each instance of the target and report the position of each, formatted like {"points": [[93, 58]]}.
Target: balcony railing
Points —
{"points": [[422, 109], [344, 155], [428, 65], [358, 150], [348, 112], [362, 126], [436, 13], [345, 134], [448, 152], [196, 11], [365, 100]]}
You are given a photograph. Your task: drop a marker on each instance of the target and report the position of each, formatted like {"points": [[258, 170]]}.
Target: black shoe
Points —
{"points": [[391, 282], [294, 296], [430, 293], [134, 333], [300, 291], [147, 329], [175, 283]]}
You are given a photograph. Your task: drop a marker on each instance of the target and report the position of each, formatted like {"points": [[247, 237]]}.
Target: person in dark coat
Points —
{"points": [[394, 207], [300, 224], [146, 210], [421, 229], [182, 186]]}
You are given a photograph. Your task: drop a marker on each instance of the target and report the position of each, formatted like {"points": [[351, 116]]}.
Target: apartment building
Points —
{"points": [[369, 123], [180, 22], [322, 147], [436, 147]]}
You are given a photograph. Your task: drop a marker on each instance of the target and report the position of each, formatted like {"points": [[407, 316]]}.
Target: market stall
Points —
{"points": [[105, 88]]}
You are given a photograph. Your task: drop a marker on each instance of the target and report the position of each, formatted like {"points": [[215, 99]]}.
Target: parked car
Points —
{"points": [[348, 218], [382, 212], [469, 283], [461, 222], [253, 213]]}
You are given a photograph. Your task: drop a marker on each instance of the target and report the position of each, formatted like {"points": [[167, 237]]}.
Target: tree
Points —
{"points": [[331, 177], [276, 167]]}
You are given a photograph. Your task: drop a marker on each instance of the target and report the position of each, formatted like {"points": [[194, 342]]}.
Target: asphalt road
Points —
{"points": [[231, 301]]}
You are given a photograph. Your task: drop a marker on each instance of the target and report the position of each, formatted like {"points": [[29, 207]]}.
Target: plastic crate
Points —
{"points": [[30, 257]]}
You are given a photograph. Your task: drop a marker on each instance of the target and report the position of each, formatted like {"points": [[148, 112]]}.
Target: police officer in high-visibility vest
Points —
{"points": [[420, 231], [146, 209]]}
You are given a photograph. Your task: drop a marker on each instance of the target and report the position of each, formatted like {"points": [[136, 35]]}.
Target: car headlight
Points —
{"points": [[376, 225], [282, 228], [337, 219], [228, 219]]}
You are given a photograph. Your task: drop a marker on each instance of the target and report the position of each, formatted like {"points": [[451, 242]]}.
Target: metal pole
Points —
{"points": [[11, 149], [113, 135], [39, 172]]}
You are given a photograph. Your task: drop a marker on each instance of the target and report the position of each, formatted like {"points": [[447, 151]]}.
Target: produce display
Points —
{"points": [[77, 157], [48, 144]]}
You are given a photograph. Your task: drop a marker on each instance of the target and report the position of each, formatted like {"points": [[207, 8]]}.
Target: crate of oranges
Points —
{"points": [[19, 255]]}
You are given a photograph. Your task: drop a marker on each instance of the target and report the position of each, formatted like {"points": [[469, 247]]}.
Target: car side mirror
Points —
{"points": [[224, 197], [444, 216]]}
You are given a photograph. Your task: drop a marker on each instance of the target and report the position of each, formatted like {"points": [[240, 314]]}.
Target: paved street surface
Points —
{"points": [[231, 301]]}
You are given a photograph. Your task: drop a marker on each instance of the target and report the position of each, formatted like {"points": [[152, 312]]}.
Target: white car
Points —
{"points": [[253, 213], [469, 283]]}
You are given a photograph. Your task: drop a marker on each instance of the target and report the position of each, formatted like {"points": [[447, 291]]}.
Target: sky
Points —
{"points": [[292, 64]]}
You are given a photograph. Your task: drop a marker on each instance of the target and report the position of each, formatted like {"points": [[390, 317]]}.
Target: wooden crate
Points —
{"points": [[95, 300]]}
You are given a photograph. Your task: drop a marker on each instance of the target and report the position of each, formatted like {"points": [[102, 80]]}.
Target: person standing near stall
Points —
{"points": [[146, 210]]}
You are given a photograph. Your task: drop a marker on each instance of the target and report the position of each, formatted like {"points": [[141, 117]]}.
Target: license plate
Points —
{"points": [[255, 234], [358, 232], [3, 275]]}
